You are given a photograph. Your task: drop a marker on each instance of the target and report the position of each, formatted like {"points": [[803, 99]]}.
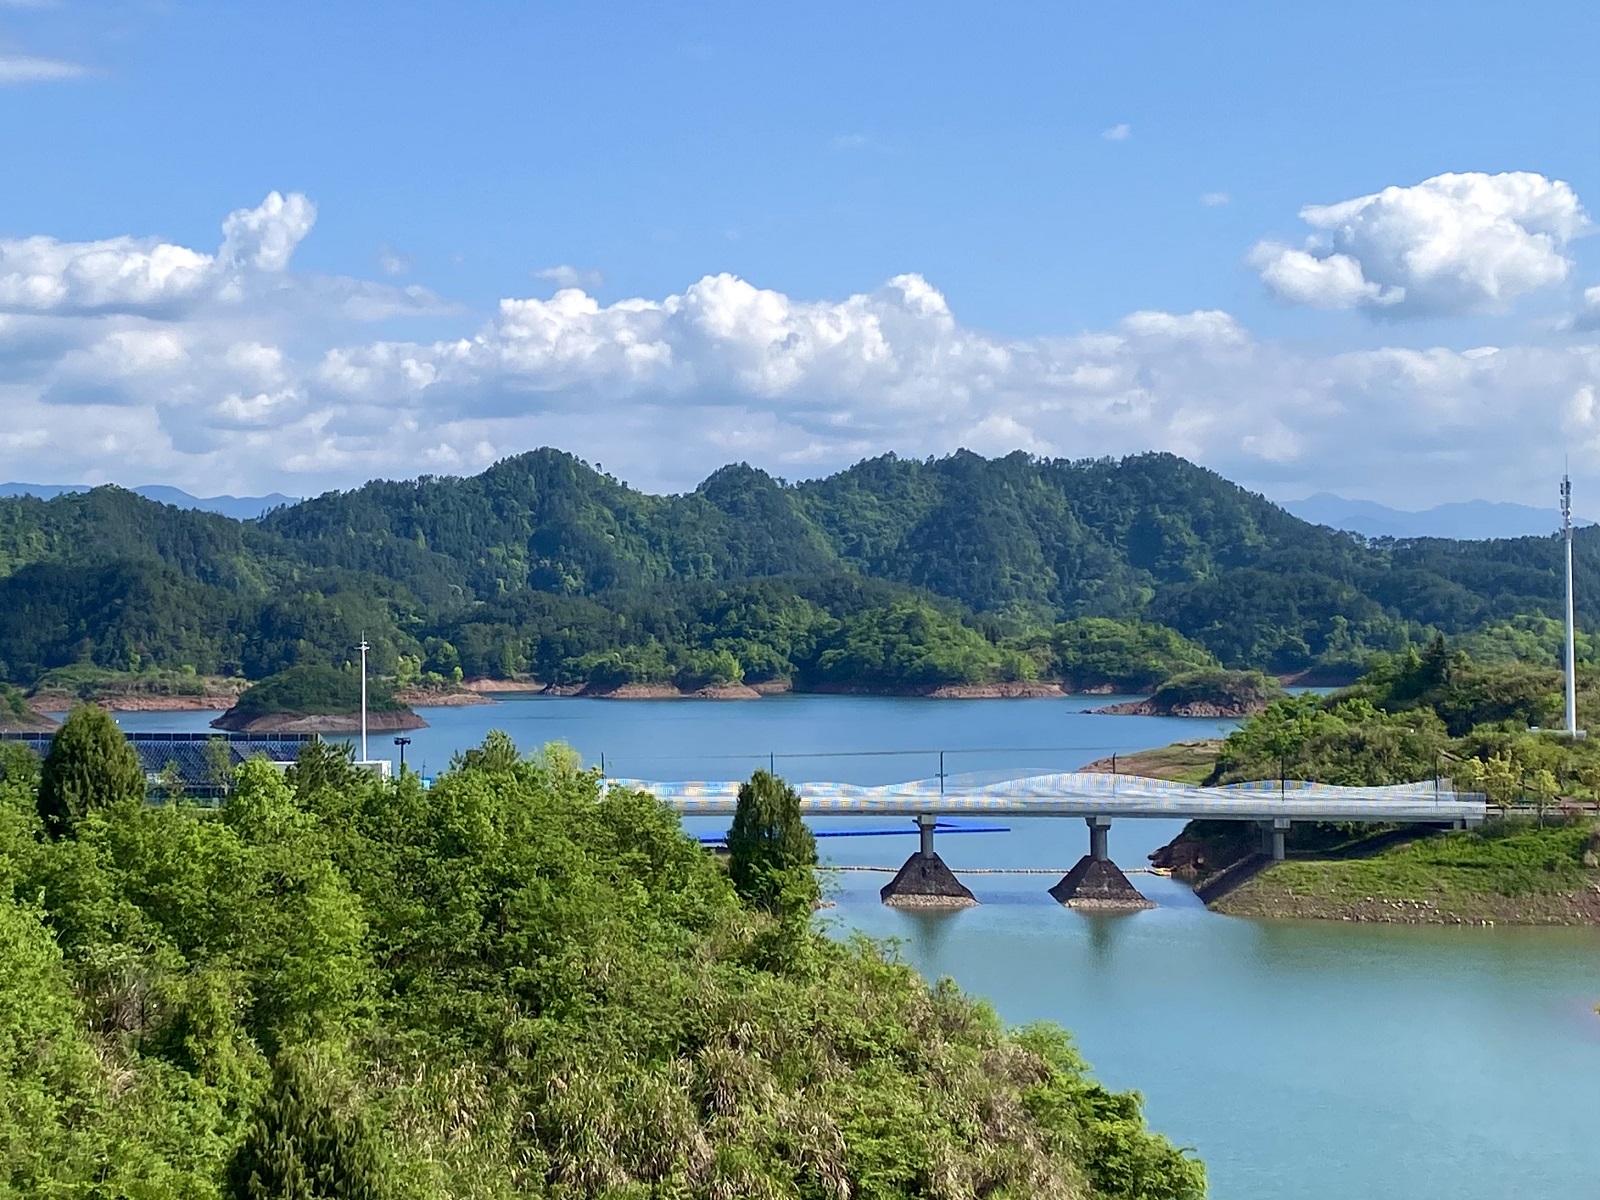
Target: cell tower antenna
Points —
{"points": [[1572, 664]]}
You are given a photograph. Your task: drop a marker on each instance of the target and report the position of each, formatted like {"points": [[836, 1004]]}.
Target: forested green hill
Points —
{"points": [[546, 566]]}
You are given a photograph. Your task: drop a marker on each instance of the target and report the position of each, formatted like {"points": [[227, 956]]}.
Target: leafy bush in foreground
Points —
{"points": [[515, 983]]}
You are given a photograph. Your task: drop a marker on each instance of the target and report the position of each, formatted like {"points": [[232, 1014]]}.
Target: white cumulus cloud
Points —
{"points": [[1457, 243], [194, 366], [265, 236], [42, 275]]}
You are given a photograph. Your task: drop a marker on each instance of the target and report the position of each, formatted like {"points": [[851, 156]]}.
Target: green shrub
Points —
{"points": [[90, 765], [770, 850]]}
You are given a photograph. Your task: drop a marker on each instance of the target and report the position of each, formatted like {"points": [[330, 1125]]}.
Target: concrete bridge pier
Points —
{"points": [[1099, 838], [1096, 883], [924, 881], [1272, 835]]}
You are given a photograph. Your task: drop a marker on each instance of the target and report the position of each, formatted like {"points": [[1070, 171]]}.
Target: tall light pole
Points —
{"points": [[364, 648], [1572, 685]]}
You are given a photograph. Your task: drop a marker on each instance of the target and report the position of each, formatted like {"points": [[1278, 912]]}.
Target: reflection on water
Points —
{"points": [[1303, 1060]]}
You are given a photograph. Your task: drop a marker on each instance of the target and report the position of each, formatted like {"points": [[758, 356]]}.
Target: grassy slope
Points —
{"points": [[1186, 762], [1514, 871], [1509, 872]]}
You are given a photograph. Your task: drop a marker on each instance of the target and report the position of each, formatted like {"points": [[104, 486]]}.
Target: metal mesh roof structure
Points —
{"points": [[1090, 793], [190, 753]]}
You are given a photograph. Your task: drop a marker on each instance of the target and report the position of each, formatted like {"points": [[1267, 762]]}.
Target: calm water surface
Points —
{"points": [[1301, 1060]]}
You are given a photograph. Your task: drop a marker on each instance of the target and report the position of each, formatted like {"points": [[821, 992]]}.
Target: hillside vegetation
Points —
{"points": [[513, 983], [1415, 715], [1418, 716], [893, 574]]}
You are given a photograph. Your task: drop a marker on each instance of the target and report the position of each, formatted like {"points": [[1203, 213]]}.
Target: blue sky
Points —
{"points": [[1050, 172]]}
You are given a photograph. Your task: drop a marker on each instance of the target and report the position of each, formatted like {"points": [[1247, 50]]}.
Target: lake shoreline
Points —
{"points": [[1263, 898], [1369, 883], [1014, 690]]}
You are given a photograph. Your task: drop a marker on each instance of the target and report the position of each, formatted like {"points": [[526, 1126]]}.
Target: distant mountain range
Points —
{"points": [[240, 508], [1469, 520], [894, 573]]}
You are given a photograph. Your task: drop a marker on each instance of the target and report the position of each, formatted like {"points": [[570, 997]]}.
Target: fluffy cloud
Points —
{"points": [[42, 275], [264, 237], [1451, 244], [141, 358]]}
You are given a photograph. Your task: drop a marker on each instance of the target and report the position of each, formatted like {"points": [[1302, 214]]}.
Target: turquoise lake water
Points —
{"points": [[1301, 1060]]}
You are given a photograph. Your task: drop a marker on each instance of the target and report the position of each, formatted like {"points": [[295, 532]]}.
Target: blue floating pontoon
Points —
{"points": [[718, 839]]}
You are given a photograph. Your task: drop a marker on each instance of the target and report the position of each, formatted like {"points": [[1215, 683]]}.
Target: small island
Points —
{"points": [[1207, 693], [317, 699]]}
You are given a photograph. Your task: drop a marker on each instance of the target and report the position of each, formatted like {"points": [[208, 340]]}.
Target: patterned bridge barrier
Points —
{"points": [[1090, 794]]}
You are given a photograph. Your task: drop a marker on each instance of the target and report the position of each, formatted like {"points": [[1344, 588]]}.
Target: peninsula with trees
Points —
{"points": [[1437, 713]]}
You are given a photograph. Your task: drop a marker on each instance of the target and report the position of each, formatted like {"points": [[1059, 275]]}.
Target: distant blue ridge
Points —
{"points": [[240, 508], [1467, 520]]}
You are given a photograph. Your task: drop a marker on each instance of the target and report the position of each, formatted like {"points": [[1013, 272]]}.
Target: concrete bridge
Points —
{"points": [[1098, 799]]}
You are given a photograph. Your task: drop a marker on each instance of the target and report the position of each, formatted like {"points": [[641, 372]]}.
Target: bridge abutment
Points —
{"points": [[925, 881], [1096, 883]]}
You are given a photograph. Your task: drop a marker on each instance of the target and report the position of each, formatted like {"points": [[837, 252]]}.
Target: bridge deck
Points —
{"points": [[1088, 794]]}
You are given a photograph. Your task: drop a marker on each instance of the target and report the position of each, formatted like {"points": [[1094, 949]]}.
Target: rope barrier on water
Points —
{"points": [[755, 756], [995, 870]]}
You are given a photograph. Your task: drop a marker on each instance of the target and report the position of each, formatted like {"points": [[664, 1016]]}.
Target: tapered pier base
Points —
{"points": [[924, 881], [1098, 884]]}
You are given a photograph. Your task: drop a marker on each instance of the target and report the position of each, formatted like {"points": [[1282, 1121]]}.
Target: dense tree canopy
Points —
{"points": [[516, 982], [90, 766], [769, 846], [1417, 715], [544, 566], [313, 689]]}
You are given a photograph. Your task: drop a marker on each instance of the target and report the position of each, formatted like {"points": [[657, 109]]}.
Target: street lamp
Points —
{"points": [[363, 647], [402, 742]]}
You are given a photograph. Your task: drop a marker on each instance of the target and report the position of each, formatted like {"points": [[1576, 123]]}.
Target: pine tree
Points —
{"points": [[300, 1147], [90, 765], [770, 850]]}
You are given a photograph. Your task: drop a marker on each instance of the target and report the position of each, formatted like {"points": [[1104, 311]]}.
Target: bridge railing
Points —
{"points": [[1090, 793]]}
